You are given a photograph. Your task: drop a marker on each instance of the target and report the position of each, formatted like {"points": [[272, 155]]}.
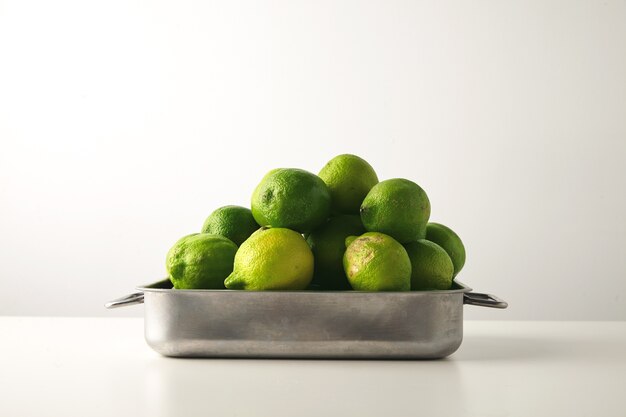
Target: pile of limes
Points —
{"points": [[339, 230]]}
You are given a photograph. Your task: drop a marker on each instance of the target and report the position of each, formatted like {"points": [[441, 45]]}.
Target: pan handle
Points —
{"points": [[136, 298], [483, 300]]}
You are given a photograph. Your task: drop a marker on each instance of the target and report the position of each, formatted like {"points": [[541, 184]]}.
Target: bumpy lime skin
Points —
{"points": [[291, 198], [328, 245], [449, 241], [397, 207], [233, 222], [349, 179], [431, 267], [272, 259], [377, 262], [200, 261]]}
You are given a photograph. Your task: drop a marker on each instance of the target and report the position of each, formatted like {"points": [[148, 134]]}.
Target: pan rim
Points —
{"points": [[157, 287]]}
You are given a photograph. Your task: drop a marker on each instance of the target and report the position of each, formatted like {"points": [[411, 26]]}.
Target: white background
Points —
{"points": [[124, 123]]}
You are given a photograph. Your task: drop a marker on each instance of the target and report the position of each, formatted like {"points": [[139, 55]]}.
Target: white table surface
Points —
{"points": [[102, 367]]}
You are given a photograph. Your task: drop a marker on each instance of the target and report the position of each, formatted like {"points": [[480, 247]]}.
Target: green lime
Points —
{"points": [[328, 245], [349, 179], [377, 262], [397, 207], [430, 265], [272, 259], [449, 241], [200, 261], [291, 198], [233, 222]]}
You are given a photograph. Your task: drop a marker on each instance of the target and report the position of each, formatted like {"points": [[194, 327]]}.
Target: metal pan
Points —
{"points": [[304, 324]]}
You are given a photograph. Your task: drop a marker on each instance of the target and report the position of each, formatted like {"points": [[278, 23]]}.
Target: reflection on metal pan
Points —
{"points": [[304, 324]]}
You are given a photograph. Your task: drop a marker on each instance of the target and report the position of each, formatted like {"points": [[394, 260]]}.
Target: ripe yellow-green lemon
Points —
{"points": [[328, 245], [349, 179], [272, 259], [200, 261], [449, 241], [431, 266], [397, 207], [233, 222], [377, 262], [291, 198]]}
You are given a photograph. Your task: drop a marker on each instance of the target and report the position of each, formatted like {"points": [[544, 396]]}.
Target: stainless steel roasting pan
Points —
{"points": [[304, 324]]}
